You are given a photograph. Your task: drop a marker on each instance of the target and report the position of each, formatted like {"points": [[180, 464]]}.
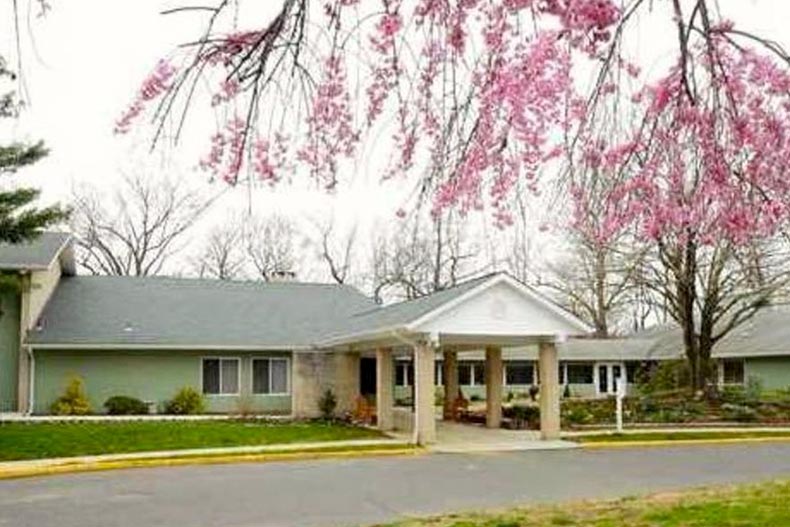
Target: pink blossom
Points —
{"points": [[154, 86]]}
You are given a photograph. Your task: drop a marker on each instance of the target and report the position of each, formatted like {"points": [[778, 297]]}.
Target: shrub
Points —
{"points": [[566, 392], [125, 405], [664, 377], [753, 390], [187, 401], [327, 404], [534, 390], [523, 416], [73, 401], [438, 396], [475, 398], [733, 395], [739, 413]]}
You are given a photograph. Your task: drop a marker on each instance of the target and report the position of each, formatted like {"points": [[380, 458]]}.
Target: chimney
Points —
{"points": [[279, 277]]}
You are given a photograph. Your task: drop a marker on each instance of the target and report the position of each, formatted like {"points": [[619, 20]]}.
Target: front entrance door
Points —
{"points": [[367, 376], [606, 375]]}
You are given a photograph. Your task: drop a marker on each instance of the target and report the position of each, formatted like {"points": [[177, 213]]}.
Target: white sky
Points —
{"points": [[84, 61]]}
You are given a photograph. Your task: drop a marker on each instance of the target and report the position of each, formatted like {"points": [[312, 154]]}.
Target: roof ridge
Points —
{"points": [[213, 281], [409, 300]]}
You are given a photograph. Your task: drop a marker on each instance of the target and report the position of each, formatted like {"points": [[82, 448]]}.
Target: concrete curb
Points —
{"points": [[601, 445], [46, 467]]}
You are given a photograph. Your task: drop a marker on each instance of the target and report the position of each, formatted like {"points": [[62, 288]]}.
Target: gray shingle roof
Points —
{"points": [[118, 311], [766, 334], [400, 313], [32, 255]]}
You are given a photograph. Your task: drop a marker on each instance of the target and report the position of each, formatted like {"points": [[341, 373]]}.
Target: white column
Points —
{"points": [[549, 391], [424, 390], [493, 387], [385, 399]]}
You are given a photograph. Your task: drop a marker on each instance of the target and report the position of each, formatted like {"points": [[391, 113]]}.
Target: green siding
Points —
{"points": [[9, 350], [774, 372], [147, 375]]}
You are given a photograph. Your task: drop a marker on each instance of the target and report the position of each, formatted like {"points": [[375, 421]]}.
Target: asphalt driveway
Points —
{"points": [[364, 491]]}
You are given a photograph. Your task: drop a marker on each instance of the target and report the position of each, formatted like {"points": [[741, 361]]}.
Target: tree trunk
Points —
{"points": [[686, 274]]}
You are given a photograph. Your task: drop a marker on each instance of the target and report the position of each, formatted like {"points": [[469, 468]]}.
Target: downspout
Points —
{"points": [[31, 380]]}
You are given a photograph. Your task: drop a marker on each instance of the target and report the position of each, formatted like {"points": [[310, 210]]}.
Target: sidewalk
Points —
{"points": [[351, 448], [676, 430]]}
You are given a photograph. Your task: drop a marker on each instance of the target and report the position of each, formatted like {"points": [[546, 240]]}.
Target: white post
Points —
{"points": [[620, 388]]}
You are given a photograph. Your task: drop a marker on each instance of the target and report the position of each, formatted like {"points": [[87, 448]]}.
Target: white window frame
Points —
{"points": [[287, 362], [238, 377], [722, 381], [406, 369]]}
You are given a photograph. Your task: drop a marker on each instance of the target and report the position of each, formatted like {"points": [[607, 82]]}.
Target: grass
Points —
{"points": [[45, 440], [763, 505], [690, 435]]}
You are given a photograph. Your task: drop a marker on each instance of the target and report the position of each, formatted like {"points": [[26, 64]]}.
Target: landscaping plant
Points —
{"points": [[73, 401], [327, 404], [187, 401], [125, 405]]}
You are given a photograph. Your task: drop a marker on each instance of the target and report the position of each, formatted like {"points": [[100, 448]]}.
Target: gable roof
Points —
{"points": [[97, 311], [34, 255], [407, 315]]}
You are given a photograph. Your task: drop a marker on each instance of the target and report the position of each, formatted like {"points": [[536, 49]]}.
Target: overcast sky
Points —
{"points": [[84, 61]]}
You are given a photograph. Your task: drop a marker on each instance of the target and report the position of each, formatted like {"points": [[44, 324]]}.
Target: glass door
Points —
{"points": [[608, 373], [603, 379]]}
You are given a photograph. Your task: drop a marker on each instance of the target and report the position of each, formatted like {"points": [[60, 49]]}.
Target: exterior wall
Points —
{"points": [[42, 285], [774, 372], [9, 350], [37, 287], [313, 373], [149, 376], [346, 380]]}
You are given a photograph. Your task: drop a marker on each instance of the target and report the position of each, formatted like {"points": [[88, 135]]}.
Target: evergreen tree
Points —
{"points": [[19, 219]]}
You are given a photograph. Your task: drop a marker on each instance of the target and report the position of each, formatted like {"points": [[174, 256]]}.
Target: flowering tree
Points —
{"points": [[479, 95]]}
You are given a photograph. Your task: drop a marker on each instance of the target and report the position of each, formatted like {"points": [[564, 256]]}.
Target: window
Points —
{"points": [[270, 376], [519, 372], [733, 371], [579, 373], [479, 373], [221, 376], [404, 373], [472, 373], [465, 374]]}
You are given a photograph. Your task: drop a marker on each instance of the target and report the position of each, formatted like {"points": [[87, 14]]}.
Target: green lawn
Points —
{"points": [[678, 436], [764, 505], [43, 440]]}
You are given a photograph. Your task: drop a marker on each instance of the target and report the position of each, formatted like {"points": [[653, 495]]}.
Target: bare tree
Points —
{"points": [[421, 257], [134, 230], [710, 289], [269, 246], [596, 281], [336, 248], [221, 256]]}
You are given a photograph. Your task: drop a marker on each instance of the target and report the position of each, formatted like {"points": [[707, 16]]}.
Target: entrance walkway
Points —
{"points": [[463, 437]]}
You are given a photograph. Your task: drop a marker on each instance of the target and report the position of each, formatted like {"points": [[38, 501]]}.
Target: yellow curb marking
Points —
{"points": [[682, 442], [95, 466]]}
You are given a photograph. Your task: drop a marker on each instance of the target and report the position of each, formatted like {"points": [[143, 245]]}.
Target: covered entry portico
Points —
{"points": [[490, 313]]}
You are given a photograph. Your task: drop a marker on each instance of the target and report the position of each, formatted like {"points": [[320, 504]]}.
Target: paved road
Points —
{"points": [[363, 491]]}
